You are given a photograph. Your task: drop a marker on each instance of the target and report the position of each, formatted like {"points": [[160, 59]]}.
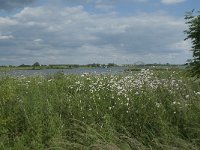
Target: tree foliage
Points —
{"points": [[193, 33], [36, 64]]}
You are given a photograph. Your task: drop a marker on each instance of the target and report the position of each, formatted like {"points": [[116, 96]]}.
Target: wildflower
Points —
{"points": [[119, 87], [174, 103], [78, 82], [84, 74], [170, 91], [158, 104], [186, 105], [197, 93], [187, 96], [50, 80], [136, 93], [101, 126]]}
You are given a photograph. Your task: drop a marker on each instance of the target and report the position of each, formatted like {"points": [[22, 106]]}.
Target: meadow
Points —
{"points": [[147, 110]]}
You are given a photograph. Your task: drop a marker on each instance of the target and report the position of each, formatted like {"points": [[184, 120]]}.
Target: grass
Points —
{"points": [[150, 110]]}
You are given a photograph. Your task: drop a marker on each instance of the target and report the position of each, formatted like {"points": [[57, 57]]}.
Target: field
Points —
{"points": [[147, 110]]}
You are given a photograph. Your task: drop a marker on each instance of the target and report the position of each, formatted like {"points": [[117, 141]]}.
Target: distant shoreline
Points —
{"points": [[73, 66]]}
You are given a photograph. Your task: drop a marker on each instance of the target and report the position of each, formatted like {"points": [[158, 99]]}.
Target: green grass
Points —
{"points": [[149, 110]]}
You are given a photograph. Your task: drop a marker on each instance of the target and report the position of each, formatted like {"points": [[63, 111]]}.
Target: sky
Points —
{"points": [[94, 31]]}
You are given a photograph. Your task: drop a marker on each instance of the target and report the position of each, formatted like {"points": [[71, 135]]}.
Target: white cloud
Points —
{"points": [[38, 40], [6, 37], [107, 5], [172, 1], [5, 21], [73, 35], [181, 45]]}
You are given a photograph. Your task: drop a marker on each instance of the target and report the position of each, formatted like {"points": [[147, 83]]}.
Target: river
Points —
{"points": [[112, 70]]}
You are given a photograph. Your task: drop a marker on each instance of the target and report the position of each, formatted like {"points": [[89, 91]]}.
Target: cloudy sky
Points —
{"points": [[94, 31]]}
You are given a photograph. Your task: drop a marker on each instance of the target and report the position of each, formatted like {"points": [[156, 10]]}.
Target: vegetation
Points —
{"points": [[148, 110], [157, 67], [193, 33], [38, 66]]}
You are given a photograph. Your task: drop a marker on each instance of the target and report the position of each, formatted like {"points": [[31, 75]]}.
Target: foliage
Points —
{"points": [[147, 110], [23, 65], [193, 33], [36, 64]]}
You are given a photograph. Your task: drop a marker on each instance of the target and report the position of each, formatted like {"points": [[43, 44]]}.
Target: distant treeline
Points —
{"points": [[68, 66], [155, 64], [58, 66]]}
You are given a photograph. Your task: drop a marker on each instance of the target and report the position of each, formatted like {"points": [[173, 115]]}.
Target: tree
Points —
{"points": [[36, 64], [193, 33], [23, 65], [111, 65]]}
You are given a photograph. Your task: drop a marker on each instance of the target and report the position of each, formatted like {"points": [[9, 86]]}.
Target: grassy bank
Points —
{"points": [[147, 110]]}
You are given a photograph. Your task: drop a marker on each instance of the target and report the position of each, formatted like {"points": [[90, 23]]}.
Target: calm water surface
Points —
{"points": [[111, 70]]}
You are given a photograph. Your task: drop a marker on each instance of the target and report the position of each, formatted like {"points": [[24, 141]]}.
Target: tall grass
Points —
{"points": [[143, 111]]}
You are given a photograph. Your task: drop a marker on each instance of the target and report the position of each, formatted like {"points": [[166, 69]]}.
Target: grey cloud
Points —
{"points": [[169, 2], [11, 4], [143, 34], [72, 35]]}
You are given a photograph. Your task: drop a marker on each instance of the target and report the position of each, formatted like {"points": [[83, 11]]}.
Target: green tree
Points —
{"points": [[193, 33], [36, 64]]}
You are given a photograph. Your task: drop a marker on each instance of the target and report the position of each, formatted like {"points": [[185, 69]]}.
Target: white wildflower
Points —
{"points": [[197, 93], [158, 104], [78, 82], [174, 103], [187, 96], [136, 93], [50, 80]]}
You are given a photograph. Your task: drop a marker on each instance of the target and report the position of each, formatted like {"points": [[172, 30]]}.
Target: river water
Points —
{"points": [[112, 70]]}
